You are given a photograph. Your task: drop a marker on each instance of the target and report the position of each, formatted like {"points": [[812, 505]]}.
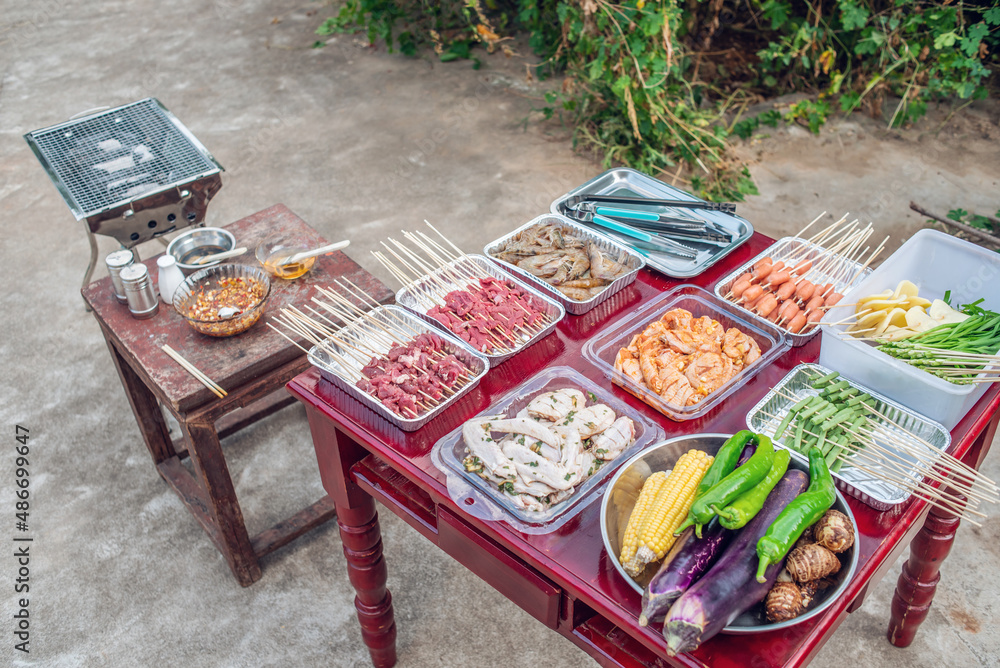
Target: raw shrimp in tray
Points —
{"points": [[537, 455]]}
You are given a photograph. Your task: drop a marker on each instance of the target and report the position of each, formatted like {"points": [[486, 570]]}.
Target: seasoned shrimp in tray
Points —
{"points": [[683, 359]]}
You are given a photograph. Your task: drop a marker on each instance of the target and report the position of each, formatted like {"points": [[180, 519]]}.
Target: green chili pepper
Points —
{"points": [[802, 512], [726, 490], [724, 462], [747, 505]]}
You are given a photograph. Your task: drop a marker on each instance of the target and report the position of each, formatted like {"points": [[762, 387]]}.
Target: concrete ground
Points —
{"points": [[360, 144]]}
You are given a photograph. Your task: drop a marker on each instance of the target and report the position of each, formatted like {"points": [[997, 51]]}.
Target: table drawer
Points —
{"points": [[534, 593]]}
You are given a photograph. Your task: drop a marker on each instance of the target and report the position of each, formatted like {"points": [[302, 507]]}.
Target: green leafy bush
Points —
{"points": [[648, 84]]}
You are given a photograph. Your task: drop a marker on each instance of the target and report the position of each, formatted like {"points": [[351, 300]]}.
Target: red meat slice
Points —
{"points": [[408, 405]]}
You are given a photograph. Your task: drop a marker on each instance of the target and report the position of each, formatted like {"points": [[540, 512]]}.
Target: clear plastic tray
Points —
{"points": [[870, 490], [935, 262], [631, 260], [481, 499], [799, 249], [603, 349]]}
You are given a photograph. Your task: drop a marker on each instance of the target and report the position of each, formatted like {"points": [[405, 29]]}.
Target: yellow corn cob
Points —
{"points": [[640, 512], [662, 515]]}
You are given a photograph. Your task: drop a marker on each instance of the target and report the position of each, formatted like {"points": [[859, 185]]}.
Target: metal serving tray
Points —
{"points": [[765, 416], [483, 500], [629, 182], [417, 297], [632, 260], [333, 370], [619, 500], [800, 250]]}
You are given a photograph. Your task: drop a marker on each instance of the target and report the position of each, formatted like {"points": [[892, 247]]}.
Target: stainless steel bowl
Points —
{"points": [[619, 499], [197, 243]]}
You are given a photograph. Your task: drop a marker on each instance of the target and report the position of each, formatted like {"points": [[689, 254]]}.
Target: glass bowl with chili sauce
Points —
{"points": [[242, 287]]}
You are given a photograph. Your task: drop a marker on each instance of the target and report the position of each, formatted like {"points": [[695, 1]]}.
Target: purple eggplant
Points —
{"points": [[747, 453], [731, 586], [688, 560]]}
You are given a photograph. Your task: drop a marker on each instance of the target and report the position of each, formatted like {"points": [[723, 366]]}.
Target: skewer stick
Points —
{"points": [[941, 498], [895, 461], [474, 265], [450, 269], [367, 324], [194, 371], [945, 458], [817, 238], [367, 299], [871, 259], [929, 496], [853, 316], [290, 339], [803, 230], [464, 283]]}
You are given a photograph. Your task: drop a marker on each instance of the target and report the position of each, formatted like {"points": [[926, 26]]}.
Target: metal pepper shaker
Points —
{"points": [[116, 262], [142, 301]]}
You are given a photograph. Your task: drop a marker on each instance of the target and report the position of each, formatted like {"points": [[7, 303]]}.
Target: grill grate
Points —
{"points": [[112, 158]]}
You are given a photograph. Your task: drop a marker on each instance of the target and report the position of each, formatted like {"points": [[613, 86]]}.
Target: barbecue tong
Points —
{"points": [[638, 239], [724, 207]]}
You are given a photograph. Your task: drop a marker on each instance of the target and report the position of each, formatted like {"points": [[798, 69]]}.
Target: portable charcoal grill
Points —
{"points": [[133, 173]]}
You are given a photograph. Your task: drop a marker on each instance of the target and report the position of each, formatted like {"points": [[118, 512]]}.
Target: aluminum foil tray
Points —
{"points": [[629, 182], [880, 495], [632, 260], [483, 500], [418, 297], [333, 370], [799, 249]]}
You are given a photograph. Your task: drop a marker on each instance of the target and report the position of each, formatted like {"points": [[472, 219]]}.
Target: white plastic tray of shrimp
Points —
{"points": [[540, 453], [685, 351]]}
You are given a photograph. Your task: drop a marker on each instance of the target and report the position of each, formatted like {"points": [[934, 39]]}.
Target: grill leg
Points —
{"points": [[93, 262]]}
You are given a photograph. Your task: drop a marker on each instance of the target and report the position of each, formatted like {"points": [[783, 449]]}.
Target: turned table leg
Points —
{"points": [[362, 539], [919, 578], [361, 535], [920, 575]]}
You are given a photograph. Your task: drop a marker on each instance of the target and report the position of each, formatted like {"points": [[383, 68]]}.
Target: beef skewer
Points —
{"points": [[456, 259], [365, 325], [435, 298], [455, 278]]}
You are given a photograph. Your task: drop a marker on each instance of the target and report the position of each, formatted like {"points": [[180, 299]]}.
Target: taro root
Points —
{"points": [[811, 588], [834, 531], [784, 602], [811, 562], [807, 538]]}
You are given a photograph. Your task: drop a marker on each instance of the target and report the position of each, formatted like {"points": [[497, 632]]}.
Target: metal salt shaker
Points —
{"points": [[142, 301], [116, 262]]}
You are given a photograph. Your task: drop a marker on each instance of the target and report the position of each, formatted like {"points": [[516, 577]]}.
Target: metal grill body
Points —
{"points": [[133, 173]]}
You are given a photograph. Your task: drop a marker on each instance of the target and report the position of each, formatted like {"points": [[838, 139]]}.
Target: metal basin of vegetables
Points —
{"points": [[619, 498]]}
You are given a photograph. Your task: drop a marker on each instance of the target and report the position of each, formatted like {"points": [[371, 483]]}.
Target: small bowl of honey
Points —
{"points": [[277, 255]]}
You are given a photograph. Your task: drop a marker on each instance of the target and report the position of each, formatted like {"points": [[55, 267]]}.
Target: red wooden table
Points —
{"points": [[252, 367], [565, 579]]}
